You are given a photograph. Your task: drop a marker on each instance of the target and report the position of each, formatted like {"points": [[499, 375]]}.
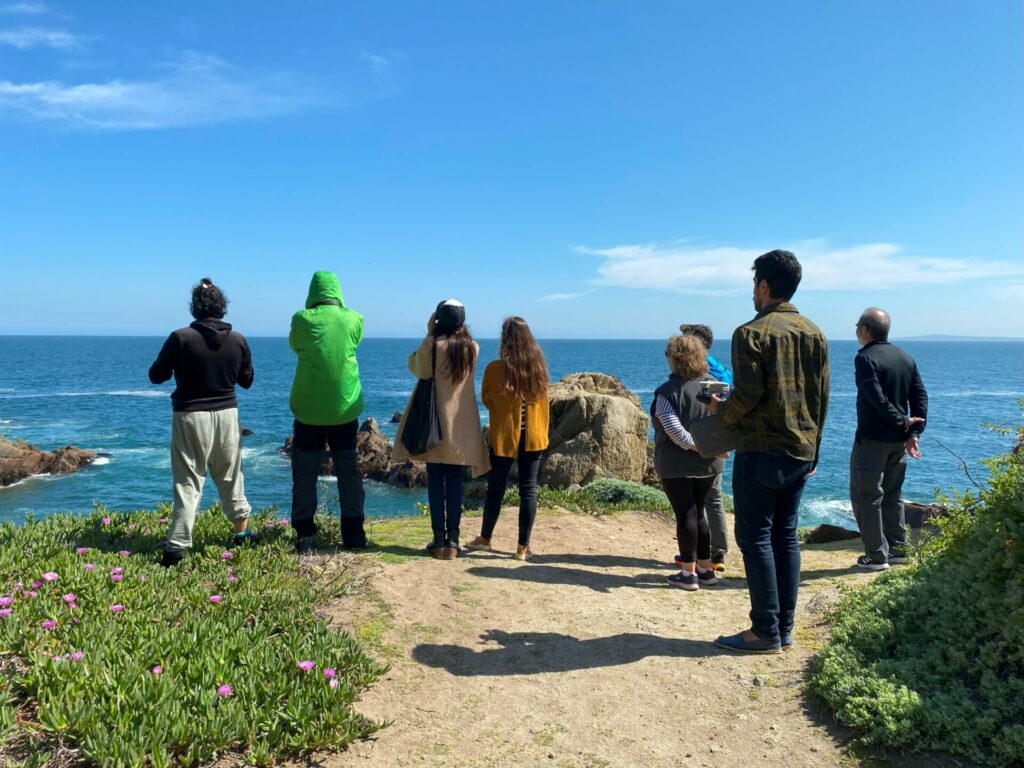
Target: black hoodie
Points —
{"points": [[206, 359]]}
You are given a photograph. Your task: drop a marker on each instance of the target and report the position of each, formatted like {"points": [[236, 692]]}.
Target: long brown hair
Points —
{"points": [[461, 353], [526, 372]]}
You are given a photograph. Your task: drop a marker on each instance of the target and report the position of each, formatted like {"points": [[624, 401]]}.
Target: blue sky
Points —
{"points": [[603, 169]]}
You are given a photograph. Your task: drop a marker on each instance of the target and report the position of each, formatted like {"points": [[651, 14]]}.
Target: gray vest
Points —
{"points": [[669, 459]]}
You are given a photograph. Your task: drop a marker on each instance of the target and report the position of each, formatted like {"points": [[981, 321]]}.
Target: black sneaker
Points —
{"points": [[868, 564], [243, 538], [684, 580], [305, 545], [171, 559], [707, 578], [898, 557]]}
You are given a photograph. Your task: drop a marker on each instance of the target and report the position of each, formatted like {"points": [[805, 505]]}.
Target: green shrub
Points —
{"points": [[198, 659], [932, 656], [629, 495]]}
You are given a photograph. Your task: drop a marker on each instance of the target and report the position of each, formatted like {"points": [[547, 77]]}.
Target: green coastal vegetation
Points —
{"points": [[931, 656]]}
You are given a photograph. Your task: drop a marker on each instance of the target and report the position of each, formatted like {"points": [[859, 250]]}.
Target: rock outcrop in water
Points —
{"points": [[19, 460], [598, 429]]}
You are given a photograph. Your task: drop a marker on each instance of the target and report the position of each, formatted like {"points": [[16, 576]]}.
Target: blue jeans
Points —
{"points": [[766, 491], [444, 495]]}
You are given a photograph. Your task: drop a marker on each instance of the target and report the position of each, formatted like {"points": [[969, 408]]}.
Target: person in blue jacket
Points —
{"points": [[713, 505]]}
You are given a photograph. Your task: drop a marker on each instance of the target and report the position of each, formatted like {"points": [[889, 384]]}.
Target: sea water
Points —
{"points": [[94, 393]]}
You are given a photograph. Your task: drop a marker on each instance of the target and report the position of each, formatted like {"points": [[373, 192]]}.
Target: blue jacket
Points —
{"points": [[719, 371]]}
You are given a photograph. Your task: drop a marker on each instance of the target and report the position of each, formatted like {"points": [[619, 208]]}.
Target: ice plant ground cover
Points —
{"points": [[932, 656], [105, 653]]}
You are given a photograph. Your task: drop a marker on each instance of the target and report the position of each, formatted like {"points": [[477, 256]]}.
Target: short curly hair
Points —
{"points": [[208, 301], [686, 356], [701, 331]]}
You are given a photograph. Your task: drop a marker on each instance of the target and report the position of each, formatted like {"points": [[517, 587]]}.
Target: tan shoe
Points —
{"points": [[481, 544], [450, 553], [523, 553]]}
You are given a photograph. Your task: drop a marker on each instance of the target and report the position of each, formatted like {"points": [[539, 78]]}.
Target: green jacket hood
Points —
{"points": [[324, 287]]}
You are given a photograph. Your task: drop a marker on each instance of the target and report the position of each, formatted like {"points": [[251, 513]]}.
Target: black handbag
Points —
{"points": [[423, 424]]}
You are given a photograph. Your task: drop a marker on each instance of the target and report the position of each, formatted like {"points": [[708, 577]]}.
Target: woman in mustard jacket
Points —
{"points": [[515, 392]]}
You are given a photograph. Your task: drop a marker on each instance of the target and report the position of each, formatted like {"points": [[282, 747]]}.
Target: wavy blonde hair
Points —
{"points": [[686, 356]]}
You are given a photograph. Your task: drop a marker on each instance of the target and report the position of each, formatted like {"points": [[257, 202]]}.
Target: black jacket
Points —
{"points": [[889, 390], [206, 359]]}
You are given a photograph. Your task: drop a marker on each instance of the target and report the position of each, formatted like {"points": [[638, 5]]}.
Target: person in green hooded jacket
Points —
{"points": [[326, 399]]}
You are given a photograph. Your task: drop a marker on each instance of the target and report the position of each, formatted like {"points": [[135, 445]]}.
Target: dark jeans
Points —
{"points": [[497, 480], [444, 494], [307, 458], [687, 496], [766, 491], [877, 471]]}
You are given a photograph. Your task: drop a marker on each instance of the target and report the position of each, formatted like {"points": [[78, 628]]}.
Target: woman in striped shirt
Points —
{"points": [[685, 475]]}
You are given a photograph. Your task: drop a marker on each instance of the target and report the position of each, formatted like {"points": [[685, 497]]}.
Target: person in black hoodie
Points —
{"points": [[206, 359], [892, 406]]}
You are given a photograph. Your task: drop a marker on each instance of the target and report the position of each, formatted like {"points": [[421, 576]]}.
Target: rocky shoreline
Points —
{"points": [[19, 460]]}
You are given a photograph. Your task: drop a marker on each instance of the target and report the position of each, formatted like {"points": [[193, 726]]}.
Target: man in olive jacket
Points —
{"points": [[326, 399]]}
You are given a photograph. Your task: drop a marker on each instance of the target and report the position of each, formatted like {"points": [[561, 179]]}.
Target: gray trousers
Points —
{"points": [[715, 511], [876, 481], [202, 440]]}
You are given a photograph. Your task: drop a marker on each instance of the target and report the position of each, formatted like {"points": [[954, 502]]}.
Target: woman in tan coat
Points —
{"points": [[462, 442], [515, 391]]}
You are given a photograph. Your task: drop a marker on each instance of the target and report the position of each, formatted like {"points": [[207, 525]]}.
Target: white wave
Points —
{"points": [[114, 393], [99, 461], [828, 509], [6, 421], [138, 393], [29, 479], [974, 393]]}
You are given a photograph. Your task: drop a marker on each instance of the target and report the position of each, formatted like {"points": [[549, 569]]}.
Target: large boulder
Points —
{"points": [[598, 429], [19, 460]]}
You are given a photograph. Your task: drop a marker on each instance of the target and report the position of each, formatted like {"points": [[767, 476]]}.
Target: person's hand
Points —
{"points": [[432, 324], [724, 455], [914, 446], [714, 403], [913, 421]]}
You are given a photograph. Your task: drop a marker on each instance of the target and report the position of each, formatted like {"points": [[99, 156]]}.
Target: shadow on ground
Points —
{"points": [[532, 653]]}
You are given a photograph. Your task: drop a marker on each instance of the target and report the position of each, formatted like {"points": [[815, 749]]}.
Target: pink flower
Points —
{"points": [[18, 586], [306, 666], [269, 526], [133, 526], [124, 553], [146, 532], [49, 624], [82, 550], [36, 584], [330, 672], [162, 521], [50, 576], [77, 656], [69, 598], [224, 691], [6, 601], [231, 569], [232, 579], [282, 523], [117, 608], [157, 670], [142, 577], [333, 682], [90, 566], [5, 612], [116, 571], [215, 598], [33, 594], [105, 521], [226, 555], [116, 576]]}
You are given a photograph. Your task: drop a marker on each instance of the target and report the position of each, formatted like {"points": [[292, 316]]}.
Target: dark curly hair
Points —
{"points": [[208, 301], [702, 332], [781, 271]]}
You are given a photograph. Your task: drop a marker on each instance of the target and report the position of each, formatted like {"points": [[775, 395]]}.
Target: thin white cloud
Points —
{"points": [[564, 296], [196, 89], [686, 268], [1013, 291], [28, 9], [24, 38]]}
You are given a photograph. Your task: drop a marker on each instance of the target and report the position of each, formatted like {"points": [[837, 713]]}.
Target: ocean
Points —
{"points": [[93, 392]]}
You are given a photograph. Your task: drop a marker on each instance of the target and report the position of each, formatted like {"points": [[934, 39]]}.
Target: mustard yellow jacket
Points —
{"points": [[505, 411]]}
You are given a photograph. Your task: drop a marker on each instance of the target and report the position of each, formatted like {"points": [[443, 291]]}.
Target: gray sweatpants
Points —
{"points": [[715, 511], [202, 440], [877, 471]]}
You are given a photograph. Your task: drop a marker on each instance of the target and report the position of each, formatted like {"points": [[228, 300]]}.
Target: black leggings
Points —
{"points": [[497, 480], [687, 495]]}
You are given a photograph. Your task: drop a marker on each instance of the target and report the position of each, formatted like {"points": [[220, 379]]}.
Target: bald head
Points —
{"points": [[876, 322]]}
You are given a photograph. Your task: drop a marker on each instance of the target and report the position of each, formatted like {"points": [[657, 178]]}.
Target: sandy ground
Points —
{"points": [[583, 656]]}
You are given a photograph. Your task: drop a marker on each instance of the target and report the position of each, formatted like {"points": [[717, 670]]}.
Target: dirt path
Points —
{"points": [[583, 656]]}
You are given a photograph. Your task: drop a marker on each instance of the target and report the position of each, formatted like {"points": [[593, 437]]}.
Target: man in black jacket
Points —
{"points": [[892, 406]]}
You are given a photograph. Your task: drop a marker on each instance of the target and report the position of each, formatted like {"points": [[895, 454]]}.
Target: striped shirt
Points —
{"points": [[673, 427]]}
